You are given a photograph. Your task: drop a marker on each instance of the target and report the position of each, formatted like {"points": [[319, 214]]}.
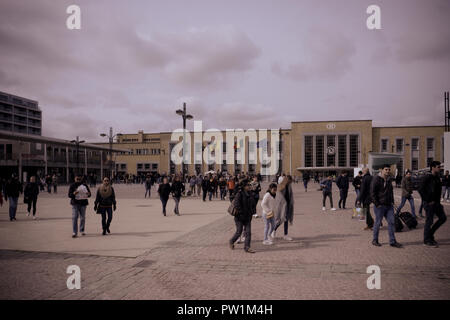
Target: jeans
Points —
{"points": [[78, 211], [30, 203], [246, 226], [164, 203], [358, 191], [343, 197], [446, 190], [12, 207], [177, 202], [223, 193], [305, 184], [210, 195], [149, 191], [106, 212], [325, 195], [269, 226], [411, 202], [199, 189], [49, 188], [430, 228], [388, 213]]}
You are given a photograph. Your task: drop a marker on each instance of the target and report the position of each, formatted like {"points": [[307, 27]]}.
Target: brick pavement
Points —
{"points": [[327, 260]]}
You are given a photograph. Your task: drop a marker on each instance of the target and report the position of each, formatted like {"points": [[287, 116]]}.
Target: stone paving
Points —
{"points": [[188, 257]]}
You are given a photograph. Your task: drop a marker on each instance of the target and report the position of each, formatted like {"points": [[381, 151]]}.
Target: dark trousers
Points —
{"points": [[49, 188], [210, 195], [246, 226], [32, 202], [325, 195], [369, 219], [223, 193], [106, 217], [55, 188], [204, 194], [430, 228], [164, 203], [286, 227], [343, 197]]}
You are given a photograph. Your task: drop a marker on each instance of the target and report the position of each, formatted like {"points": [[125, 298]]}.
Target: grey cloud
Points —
{"points": [[328, 56]]}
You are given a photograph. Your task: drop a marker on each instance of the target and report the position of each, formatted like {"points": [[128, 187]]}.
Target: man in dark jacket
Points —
{"points": [[31, 193], [430, 190], [164, 190], [343, 183], [13, 189], [177, 190], [327, 186], [78, 193], [205, 186], [245, 209], [382, 194], [407, 190], [364, 198]]}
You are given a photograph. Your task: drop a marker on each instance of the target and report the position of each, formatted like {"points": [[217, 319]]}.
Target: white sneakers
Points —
{"points": [[287, 238], [333, 209], [34, 217], [255, 215], [323, 208], [272, 235], [267, 242]]}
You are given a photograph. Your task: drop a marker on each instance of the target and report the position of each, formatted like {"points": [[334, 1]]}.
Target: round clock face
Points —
{"points": [[331, 150]]}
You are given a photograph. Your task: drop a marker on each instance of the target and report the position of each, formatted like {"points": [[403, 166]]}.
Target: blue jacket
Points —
{"points": [[327, 185]]}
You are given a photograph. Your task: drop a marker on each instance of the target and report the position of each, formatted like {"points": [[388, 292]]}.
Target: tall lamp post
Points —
{"points": [[185, 117], [77, 144], [111, 137]]}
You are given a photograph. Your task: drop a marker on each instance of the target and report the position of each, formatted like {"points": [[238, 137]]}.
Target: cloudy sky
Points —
{"points": [[236, 63]]}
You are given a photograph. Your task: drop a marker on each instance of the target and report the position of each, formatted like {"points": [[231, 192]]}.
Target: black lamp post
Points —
{"points": [[77, 144], [185, 117], [111, 140]]}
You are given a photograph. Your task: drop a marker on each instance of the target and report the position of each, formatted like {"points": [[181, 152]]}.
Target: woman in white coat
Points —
{"points": [[284, 207], [268, 208]]}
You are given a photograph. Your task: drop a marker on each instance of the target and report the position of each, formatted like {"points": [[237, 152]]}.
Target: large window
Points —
{"points": [[354, 150], [399, 145], [415, 164], [415, 144], [430, 144], [309, 151], [319, 151], [342, 151], [384, 145], [331, 151]]}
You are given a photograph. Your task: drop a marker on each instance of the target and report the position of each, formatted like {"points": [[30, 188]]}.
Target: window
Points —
{"points": [[415, 144], [147, 166], [354, 150], [123, 166], [139, 166], [430, 144], [384, 145], [319, 151], [308, 151], [415, 164], [154, 166], [342, 151], [429, 160], [399, 145]]}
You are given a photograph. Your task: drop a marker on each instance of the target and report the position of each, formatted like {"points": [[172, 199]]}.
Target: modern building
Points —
{"points": [[315, 146], [21, 115]]}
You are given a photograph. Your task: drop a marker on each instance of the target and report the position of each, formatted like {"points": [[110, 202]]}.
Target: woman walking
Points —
{"points": [[31, 193], [243, 218], [268, 207], [164, 190], [284, 207], [105, 203], [177, 190]]}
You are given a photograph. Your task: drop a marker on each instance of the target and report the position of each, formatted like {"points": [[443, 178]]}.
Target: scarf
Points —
{"points": [[105, 191]]}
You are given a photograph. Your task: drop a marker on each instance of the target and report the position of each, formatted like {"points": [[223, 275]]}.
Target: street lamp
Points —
{"points": [[77, 144], [185, 117], [111, 139]]}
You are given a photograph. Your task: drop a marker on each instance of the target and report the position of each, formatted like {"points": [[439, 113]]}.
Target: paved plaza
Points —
{"points": [[149, 256]]}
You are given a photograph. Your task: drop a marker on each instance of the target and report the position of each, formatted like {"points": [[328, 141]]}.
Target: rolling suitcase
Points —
{"points": [[398, 223], [408, 219]]}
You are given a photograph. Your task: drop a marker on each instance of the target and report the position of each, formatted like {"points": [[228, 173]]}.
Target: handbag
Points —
{"points": [[232, 210], [269, 215]]}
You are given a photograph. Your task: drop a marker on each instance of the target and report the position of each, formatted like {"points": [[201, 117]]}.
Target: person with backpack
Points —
{"points": [[327, 191], [343, 183], [268, 208], [31, 193], [407, 190], [430, 191], [105, 203], [244, 205], [364, 197], [177, 190], [382, 195], [164, 190]]}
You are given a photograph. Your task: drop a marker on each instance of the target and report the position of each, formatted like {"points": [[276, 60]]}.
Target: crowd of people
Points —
{"points": [[243, 192]]}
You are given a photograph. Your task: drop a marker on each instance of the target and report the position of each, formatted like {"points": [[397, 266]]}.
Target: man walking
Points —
{"points": [[364, 197], [446, 186], [343, 183], [31, 193], [357, 184], [327, 186], [407, 190], [430, 190], [306, 178], [79, 192], [382, 194], [13, 189]]}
